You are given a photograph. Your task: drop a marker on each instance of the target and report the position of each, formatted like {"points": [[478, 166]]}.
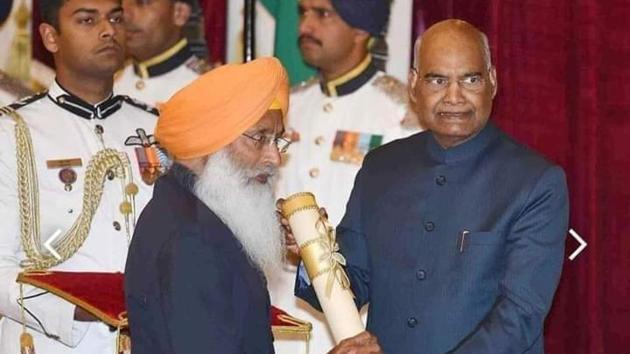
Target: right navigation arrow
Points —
{"points": [[578, 239]]}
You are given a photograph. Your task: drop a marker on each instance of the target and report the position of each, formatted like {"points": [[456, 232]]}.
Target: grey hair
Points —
{"points": [[487, 57]]}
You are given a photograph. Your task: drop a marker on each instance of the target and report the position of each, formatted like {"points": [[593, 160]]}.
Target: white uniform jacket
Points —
{"points": [[64, 127], [370, 103]]}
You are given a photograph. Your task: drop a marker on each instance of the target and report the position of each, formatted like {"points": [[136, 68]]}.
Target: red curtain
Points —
{"points": [[564, 89], [215, 21]]}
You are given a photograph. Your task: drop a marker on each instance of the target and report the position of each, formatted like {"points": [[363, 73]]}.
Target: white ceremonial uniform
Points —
{"points": [[365, 101], [154, 81], [64, 127]]}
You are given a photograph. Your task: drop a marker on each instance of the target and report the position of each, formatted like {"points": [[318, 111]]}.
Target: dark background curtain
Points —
{"points": [[564, 89], [215, 22]]}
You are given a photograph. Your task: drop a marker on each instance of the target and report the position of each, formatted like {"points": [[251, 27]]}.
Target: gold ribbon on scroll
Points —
{"points": [[324, 264], [321, 256]]}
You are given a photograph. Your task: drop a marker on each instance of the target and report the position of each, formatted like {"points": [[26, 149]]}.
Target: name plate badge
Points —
{"points": [[64, 163]]}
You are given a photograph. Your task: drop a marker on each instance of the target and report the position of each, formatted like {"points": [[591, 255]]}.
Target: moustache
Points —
{"points": [[306, 38], [113, 44], [252, 174], [270, 171]]}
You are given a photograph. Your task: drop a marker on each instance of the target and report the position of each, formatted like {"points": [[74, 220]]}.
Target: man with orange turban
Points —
{"points": [[209, 239]]}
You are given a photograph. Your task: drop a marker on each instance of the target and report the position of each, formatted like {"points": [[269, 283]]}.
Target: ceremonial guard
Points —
{"points": [[155, 80], [77, 164], [332, 132], [162, 60]]}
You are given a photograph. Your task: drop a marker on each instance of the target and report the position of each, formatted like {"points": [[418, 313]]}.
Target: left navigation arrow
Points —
{"points": [[49, 244]]}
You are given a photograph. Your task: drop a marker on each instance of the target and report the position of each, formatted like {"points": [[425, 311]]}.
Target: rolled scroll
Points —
{"points": [[323, 263]]}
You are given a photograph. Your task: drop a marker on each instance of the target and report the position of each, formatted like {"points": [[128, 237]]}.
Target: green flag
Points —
{"points": [[286, 47]]}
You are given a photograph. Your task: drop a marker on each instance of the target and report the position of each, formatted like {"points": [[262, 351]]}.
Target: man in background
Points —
{"points": [[161, 58]]}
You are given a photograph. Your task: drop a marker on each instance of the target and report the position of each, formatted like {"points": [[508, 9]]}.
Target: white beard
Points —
{"points": [[246, 207]]}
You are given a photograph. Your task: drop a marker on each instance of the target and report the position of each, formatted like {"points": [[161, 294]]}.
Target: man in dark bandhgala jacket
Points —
{"points": [[205, 244], [455, 236]]}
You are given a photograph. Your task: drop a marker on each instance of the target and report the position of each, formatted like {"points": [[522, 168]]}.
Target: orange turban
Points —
{"points": [[216, 108]]}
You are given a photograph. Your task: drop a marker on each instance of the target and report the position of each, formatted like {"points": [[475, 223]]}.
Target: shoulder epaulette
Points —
{"points": [[304, 84], [22, 102], [198, 65], [13, 86], [391, 86], [143, 106]]}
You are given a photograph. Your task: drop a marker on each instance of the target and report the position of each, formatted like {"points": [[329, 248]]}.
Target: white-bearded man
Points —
{"points": [[209, 238]]}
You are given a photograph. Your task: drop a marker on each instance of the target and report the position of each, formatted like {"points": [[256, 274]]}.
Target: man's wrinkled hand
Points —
{"points": [[289, 239], [363, 343]]}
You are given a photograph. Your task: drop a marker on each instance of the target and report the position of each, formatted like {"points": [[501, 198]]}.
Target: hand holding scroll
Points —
{"points": [[289, 239], [306, 226], [363, 343]]}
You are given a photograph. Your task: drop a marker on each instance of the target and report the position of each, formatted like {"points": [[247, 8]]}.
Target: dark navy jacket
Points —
{"points": [[412, 204], [190, 288]]}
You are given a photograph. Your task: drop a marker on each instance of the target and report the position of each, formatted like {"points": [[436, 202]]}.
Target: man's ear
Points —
{"points": [[492, 74], [181, 13], [412, 79], [361, 36], [49, 37]]}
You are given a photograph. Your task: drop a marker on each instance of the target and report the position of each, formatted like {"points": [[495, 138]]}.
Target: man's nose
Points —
{"points": [[306, 24], [271, 155], [453, 93], [108, 29]]}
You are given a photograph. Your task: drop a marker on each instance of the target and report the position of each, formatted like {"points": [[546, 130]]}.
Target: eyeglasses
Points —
{"points": [[261, 141], [472, 83]]}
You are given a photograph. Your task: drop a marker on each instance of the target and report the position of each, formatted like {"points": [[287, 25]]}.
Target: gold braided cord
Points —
{"points": [[298, 202], [28, 198], [321, 256], [307, 207]]}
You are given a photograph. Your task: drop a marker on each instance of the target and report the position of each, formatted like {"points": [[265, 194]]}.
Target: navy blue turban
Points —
{"points": [[368, 15]]}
